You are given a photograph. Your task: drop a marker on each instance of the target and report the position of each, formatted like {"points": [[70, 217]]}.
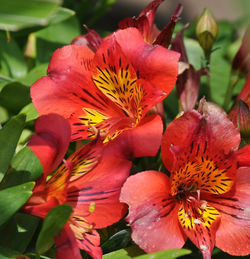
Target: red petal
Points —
{"points": [[145, 139], [243, 156], [90, 243], [67, 245], [179, 132], [51, 141], [233, 233], [152, 211], [213, 128], [155, 64], [95, 195]]}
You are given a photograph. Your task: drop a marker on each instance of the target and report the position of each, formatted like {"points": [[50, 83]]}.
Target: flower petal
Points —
{"points": [[152, 211], [201, 231], [50, 141], [95, 195], [67, 245], [195, 131], [243, 156], [233, 233], [157, 65]]}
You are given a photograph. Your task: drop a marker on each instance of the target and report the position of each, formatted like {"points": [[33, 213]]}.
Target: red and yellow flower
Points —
{"points": [[83, 181], [110, 90], [206, 199]]}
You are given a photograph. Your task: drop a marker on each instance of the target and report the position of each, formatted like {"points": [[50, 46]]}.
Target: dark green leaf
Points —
{"points": [[26, 160], [54, 37], [20, 14], [11, 56], [25, 167], [6, 253], [18, 232], [12, 199], [170, 254], [52, 225], [117, 241], [14, 97], [9, 136]]}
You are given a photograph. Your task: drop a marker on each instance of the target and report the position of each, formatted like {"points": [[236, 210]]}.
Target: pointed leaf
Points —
{"points": [[18, 232], [21, 14], [11, 55], [9, 136], [30, 111], [170, 254], [126, 253], [12, 199], [52, 225]]}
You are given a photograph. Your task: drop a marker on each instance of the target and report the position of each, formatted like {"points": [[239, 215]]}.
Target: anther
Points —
{"points": [[197, 221]]}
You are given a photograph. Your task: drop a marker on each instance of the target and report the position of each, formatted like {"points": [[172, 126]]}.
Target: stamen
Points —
{"points": [[203, 247], [197, 221]]}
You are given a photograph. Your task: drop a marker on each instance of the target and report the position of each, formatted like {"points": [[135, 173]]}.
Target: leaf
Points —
{"points": [[11, 56], [52, 225], [54, 37], [37, 72], [18, 14], [117, 241], [9, 136], [194, 52], [60, 15], [170, 254], [12, 199], [25, 167], [14, 97], [6, 253], [129, 252], [30, 111], [18, 232]]}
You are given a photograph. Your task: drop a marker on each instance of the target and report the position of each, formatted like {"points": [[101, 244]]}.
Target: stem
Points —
{"points": [[208, 55], [234, 79]]}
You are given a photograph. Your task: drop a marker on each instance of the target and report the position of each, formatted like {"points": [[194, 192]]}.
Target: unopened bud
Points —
{"points": [[240, 116], [206, 30]]}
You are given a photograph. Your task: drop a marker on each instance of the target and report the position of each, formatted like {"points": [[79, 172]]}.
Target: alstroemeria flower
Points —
{"points": [[206, 199], [145, 24], [83, 181], [110, 90]]}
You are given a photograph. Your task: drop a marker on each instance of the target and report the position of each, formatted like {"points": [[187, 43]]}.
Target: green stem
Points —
{"points": [[234, 79], [208, 55]]}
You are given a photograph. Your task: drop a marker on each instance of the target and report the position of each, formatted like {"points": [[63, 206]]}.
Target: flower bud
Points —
{"points": [[206, 30], [240, 116]]}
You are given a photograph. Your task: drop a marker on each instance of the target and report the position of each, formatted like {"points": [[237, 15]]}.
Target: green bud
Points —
{"points": [[206, 30]]}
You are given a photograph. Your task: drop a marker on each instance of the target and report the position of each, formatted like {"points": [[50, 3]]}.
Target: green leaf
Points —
{"points": [[26, 160], [14, 96], [25, 167], [52, 225], [9, 136], [36, 73], [30, 111], [18, 232], [117, 241], [54, 37], [126, 253], [18, 14], [194, 52], [11, 56], [170, 254], [60, 15], [6, 253], [12, 199]]}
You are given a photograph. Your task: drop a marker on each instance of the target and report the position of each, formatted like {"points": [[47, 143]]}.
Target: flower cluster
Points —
{"points": [[109, 92]]}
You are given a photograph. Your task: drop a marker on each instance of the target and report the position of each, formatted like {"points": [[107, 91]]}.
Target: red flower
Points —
{"points": [[83, 181], [145, 24], [207, 196], [111, 90]]}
